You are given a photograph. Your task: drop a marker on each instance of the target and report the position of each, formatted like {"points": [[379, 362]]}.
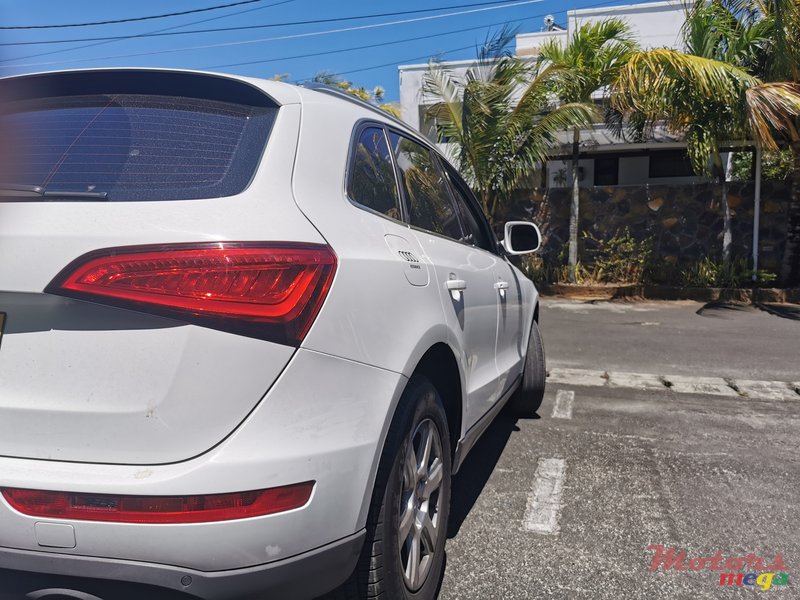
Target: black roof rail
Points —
{"points": [[340, 93]]}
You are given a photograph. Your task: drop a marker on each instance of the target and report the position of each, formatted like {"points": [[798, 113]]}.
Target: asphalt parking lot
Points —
{"points": [[566, 505]]}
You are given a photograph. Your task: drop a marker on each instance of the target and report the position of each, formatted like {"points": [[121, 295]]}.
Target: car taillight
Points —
{"points": [[158, 509], [268, 291]]}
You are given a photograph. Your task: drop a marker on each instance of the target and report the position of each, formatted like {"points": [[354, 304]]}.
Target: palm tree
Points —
{"points": [[712, 91], [780, 64], [589, 62], [374, 96], [499, 118]]}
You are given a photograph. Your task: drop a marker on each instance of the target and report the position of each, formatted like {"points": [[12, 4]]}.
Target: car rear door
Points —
{"points": [[464, 274]]}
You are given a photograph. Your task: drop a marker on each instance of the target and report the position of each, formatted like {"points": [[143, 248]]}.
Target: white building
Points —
{"points": [[605, 159]]}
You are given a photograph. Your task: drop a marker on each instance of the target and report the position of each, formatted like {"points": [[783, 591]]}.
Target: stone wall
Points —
{"points": [[685, 221]]}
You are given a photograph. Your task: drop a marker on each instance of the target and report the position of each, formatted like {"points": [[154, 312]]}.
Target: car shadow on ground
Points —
{"points": [[477, 468], [720, 309], [785, 311]]}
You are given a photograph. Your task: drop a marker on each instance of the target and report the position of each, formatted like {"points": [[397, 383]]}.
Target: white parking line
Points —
{"points": [[544, 501], [766, 390], [563, 406], [713, 386], [682, 384]]}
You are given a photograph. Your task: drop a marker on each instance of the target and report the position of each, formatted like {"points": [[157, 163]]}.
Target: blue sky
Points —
{"points": [[370, 65]]}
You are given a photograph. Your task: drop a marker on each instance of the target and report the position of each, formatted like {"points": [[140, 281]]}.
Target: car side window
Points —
{"points": [[371, 180], [476, 234], [429, 203]]}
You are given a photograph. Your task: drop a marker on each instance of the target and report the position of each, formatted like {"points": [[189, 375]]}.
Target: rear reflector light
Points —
{"points": [[269, 291], [158, 509]]}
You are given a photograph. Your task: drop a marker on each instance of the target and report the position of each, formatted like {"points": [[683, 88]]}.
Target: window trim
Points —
{"points": [[358, 129]]}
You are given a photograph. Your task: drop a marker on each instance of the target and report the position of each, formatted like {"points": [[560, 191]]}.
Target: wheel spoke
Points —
{"points": [[427, 443], [406, 523], [410, 468], [429, 534], [412, 568], [434, 478]]}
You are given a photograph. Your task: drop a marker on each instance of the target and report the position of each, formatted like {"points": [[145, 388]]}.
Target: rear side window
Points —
{"points": [[136, 146], [371, 181], [429, 203]]}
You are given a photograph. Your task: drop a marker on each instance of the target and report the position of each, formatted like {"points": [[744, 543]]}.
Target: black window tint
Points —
{"points": [[475, 233], [670, 163], [137, 146], [606, 171], [429, 202], [372, 181]]}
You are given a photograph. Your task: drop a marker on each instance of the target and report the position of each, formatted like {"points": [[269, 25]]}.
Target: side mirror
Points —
{"points": [[521, 237]]}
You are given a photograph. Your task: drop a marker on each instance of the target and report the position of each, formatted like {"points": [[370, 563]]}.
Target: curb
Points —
{"points": [[650, 292]]}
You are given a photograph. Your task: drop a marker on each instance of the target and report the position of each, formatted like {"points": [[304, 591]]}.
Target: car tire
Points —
{"points": [[529, 395], [401, 499]]}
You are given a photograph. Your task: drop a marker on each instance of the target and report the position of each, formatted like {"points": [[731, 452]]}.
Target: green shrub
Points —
{"points": [[735, 274], [619, 259]]}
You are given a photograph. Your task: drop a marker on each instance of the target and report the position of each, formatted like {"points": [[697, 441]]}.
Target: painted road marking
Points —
{"points": [[714, 386], [682, 384], [563, 405], [766, 390], [642, 381], [577, 377], [544, 501]]}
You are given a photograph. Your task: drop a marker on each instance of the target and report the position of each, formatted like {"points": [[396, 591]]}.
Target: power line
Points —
{"points": [[132, 19], [393, 42], [292, 36], [428, 55], [368, 46], [103, 43], [248, 27]]}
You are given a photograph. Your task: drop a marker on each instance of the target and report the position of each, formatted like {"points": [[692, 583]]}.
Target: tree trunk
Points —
{"points": [[574, 208], [790, 265], [727, 235]]}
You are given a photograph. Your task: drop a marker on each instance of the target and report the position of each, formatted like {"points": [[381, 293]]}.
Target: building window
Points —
{"points": [[670, 164], [606, 171]]}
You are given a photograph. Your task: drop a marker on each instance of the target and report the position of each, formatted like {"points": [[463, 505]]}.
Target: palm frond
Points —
{"points": [[772, 108]]}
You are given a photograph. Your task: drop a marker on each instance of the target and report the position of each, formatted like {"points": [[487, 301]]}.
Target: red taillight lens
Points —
{"points": [[262, 290], [158, 509]]}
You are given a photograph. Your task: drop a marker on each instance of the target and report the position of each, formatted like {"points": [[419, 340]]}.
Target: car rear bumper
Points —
{"points": [[315, 424], [307, 575]]}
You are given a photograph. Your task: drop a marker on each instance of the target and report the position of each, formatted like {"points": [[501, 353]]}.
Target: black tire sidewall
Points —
{"points": [[528, 397]]}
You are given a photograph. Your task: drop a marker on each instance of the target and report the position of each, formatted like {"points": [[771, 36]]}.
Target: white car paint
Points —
{"points": [[103, 400]]}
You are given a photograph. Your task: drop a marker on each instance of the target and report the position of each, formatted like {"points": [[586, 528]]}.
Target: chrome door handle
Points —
{"points": [[455, 285], [501, 285]]}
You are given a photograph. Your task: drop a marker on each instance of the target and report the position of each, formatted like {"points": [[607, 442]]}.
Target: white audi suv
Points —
{"points": [[248, 333]]}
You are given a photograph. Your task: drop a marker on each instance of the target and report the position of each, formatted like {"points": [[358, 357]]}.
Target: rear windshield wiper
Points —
{"points": [[26, 191]]}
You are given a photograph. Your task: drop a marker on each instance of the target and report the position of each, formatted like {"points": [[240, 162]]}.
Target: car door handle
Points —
{"points": [[501, 285], [455, 285]]}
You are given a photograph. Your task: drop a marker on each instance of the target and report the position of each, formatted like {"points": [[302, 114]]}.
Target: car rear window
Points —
{"points": [[135, 146]]}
